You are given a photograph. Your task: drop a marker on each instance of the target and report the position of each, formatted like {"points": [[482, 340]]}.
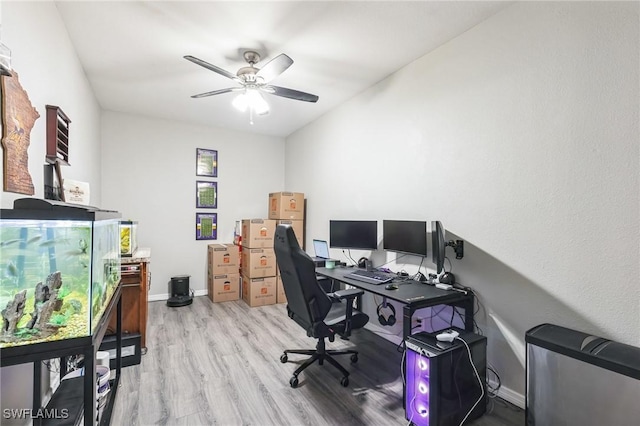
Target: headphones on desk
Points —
{"points": [[390, 318]]}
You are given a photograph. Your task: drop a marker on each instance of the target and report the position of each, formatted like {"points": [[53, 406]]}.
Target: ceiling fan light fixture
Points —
{"points": [[257, 102], [241, 102]]}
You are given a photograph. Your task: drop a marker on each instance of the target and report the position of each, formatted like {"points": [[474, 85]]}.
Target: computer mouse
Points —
{"points": [[391, 286]]}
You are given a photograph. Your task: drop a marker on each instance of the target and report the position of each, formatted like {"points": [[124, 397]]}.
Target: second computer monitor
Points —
{"points": [[405, 236], [438, 245], [353, 234]]}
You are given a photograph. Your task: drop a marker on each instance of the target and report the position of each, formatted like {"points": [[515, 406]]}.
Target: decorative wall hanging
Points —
{"points": [[206, 194], [206, 226], [206, 162], [18, 118]]}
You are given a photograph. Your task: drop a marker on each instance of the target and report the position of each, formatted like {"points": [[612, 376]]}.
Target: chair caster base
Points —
{"points": [[344, 381], [293, 382]]}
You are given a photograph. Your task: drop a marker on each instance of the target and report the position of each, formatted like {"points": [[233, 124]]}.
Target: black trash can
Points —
{"points": [[180, 293]]}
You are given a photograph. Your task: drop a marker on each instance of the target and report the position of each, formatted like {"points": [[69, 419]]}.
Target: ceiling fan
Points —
{"points": [[254, 81]]}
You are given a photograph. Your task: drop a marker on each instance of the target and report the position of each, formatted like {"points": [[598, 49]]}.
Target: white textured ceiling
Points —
{"points": [[132, 51]]}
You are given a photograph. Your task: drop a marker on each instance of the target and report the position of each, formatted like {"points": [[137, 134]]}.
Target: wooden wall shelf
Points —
{"points": [[57, 135]]}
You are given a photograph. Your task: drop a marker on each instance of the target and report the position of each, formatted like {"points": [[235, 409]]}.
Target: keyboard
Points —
{"points": [[371, 277]]}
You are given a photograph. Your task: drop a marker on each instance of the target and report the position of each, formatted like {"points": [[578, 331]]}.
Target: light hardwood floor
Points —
{"points": [[219, 364]]}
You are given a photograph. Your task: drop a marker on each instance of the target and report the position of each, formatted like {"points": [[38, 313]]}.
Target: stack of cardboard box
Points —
{"points": [[223, 279], [258, 262], [287, 208]]}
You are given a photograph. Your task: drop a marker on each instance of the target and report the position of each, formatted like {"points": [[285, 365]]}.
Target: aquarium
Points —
{"points": [[128, 238], [60, 267]]}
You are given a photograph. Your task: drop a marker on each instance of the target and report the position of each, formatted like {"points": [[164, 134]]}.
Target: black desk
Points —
{"points": [[412, 294]]}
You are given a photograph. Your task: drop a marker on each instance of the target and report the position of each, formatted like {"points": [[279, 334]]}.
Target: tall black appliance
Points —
{"points": [[181, 294]]}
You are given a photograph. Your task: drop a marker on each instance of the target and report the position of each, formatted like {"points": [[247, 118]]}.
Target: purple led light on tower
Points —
{"points": [[441, 384], [417, 390]]}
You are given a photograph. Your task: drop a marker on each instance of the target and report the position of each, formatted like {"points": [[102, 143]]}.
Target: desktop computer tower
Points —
{"points": [[441, 386]]}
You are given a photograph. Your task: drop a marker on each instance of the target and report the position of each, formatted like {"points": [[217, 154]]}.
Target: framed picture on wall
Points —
{"points": [[206, 162], [206, 194], [206, 226]]}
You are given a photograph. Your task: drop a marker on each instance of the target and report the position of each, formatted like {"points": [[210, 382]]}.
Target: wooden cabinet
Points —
{"points": [[136, 279]]}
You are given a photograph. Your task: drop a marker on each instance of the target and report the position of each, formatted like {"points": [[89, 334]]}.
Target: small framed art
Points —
{"points": [[206, 194], [206, 226], [206, 162]]}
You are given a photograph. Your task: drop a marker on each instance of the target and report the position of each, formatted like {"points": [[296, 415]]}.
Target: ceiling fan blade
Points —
{"points": [[274, 67], [290, 93], [213, 68], [218, 92]]}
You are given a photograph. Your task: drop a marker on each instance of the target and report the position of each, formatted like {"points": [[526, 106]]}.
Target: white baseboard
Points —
{"points": [[165, 296], [510, 395]]}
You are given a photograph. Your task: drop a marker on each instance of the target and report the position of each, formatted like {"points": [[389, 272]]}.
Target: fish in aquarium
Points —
{"points": [[34, 239], [11, 270]]}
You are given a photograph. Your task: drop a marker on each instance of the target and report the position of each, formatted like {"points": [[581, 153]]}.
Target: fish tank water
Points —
{"points": [[60, 267]]}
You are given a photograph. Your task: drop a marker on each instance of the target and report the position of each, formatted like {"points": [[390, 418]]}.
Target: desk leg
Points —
{"points": [[468, 313], [407, 314]]}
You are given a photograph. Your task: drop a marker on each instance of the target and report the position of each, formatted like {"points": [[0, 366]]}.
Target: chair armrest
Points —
{"points": [[350, 293]]}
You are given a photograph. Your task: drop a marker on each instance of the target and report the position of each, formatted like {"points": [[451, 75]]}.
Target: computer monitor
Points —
{"points": [[437, 245], [353, 234], [405, 236]]}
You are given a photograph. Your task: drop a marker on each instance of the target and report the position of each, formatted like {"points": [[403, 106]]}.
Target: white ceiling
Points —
{"points": [[132, 51]]}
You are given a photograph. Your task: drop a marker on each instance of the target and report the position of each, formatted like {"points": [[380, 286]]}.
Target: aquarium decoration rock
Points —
{"points": [[12, 313], [46, 301]]}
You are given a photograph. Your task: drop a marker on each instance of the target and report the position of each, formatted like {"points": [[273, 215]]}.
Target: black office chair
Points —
{"points": [[322, 315]]}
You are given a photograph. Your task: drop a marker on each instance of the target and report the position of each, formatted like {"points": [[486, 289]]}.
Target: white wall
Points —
{"points": [[521, 136], [150, 168], [50, 73]]}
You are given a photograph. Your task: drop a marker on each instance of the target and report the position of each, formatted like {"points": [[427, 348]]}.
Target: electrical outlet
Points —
{"points": [[419, 322]]}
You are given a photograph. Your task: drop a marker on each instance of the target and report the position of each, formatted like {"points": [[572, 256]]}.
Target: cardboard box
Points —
{"points": [[224, 287], [258, 233], [223, 259], [281, 297], [259, 291], [298, 228], [258, 263], [286, 205]]}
